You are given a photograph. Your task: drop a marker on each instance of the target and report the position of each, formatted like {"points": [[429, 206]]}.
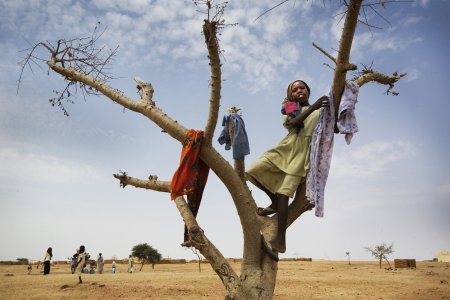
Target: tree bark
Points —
{"points": [[342, 62]]}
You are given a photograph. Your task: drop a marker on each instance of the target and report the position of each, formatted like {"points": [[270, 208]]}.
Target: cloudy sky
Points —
{"points": [[391, 185]]}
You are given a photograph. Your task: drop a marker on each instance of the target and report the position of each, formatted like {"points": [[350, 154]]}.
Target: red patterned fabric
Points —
{"points": [[191, 176]]}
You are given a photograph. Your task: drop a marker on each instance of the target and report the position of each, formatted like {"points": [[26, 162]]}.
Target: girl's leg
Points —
{"points": [[279, 244], [273, 198]]}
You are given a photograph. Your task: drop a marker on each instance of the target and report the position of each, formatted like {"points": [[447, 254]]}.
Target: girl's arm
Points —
{"points": [[321, 102]]}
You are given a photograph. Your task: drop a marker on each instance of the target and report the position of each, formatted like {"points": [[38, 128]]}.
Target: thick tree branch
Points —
{"points": [[242, 198], [345, 45], [368, 75], [219, 264], [152, 112], [210, 33], [239, 167], [151, 184]]}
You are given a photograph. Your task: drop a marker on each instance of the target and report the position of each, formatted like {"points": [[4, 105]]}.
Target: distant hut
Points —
{"points": [[443, 256]]}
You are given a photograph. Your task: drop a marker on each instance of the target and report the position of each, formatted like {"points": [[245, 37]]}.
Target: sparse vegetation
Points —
{"points": [[308, 280], [381, 252], [23, 261], [146, 253]]}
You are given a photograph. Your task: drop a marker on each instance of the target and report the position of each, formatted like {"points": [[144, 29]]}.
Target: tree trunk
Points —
{"points": [[343, 59]]}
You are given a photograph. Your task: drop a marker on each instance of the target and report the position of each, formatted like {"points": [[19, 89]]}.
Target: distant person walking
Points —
{"points": [[81, 262], [30, 268], [113, 267], [130, 264], [47, 259], [100, 263]]}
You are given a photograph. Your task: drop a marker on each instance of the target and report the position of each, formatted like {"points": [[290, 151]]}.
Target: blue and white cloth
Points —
{"points": [[323, 140], [240, 145]]}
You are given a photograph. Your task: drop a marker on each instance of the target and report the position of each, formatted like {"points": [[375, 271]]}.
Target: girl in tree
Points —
{"points": [[281, 170]]}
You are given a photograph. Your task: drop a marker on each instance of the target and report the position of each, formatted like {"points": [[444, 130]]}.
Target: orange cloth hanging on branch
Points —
{"points": [[191, 176]]}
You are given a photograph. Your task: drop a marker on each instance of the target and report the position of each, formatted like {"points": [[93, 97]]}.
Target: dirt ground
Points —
{"points": [[296, 280]]}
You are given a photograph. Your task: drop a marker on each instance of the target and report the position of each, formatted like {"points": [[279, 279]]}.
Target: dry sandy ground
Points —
{"points": [[296, 280]]}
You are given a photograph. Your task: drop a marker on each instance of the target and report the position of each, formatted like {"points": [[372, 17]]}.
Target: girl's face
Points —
{"points": [[299, 92]]}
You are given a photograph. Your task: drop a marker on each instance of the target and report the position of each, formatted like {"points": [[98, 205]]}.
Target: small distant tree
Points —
{"points": [[381, 251], [146, 253], [23, 261], [348, 255]]}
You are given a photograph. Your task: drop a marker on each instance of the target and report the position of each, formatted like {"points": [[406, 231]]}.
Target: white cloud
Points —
{"points": [[411, 20], [336, 27], [379, 42], [371, 159], [135, 6], [423, 3], [155, 31], [319, 31], [394, 43], [43, 169]]}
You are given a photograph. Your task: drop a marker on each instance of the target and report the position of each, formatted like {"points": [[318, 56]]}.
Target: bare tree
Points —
{"points": [[381, 252], [348, 255], [83, 66]]}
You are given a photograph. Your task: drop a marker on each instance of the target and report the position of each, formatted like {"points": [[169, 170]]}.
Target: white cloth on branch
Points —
{"points": [[323, 140]]}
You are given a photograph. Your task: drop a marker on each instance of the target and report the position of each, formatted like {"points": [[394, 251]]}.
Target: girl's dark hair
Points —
{"points": [[49, 251], [81, 249]]}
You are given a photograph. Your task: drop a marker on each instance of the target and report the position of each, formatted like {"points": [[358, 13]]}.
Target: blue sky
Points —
{"points": [[392, 184]]}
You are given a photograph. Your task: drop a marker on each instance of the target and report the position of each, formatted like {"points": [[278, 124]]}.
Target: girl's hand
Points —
{"points": [[321, 102]]}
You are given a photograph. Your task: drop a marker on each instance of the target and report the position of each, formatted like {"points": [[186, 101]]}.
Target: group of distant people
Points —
{"points": [[79, 263]]}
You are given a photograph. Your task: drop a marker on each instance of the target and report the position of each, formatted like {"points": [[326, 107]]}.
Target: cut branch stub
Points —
{"points": [[145, 89], [151, 184]]}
